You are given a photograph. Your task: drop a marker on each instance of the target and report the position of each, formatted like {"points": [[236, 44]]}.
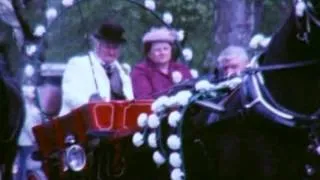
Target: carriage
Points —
{"points": [[65, 143]]}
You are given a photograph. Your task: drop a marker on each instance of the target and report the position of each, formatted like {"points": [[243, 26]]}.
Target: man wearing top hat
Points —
{"points": [[98, 75]]}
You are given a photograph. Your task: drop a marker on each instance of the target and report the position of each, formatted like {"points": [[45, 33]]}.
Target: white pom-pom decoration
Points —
{"points": [[158, 158], [159, 104], [31, 49], [194, 73], [15, 168], [203, 85], [300, 8], [176, 174], [142, 120], [152, 140], [39, 31], [183, 97], [174, 118], [174, 142], [173, 101], [255, 41], [265, 42], [167, 18], [187, 54], [318, 150], [126, 67], [176, 76], [29, 70], [180, 35], [67, 3], [175, 160], [137, 139], [153, 121], [51, 13], [29, 91], [232, 83], [150, 4]]}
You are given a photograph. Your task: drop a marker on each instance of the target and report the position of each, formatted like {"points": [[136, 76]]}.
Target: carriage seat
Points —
{"points": [[49, 99]]}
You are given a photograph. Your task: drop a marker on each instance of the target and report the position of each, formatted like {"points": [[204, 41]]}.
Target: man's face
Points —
{"points": [[232, 66], [108, 52]]}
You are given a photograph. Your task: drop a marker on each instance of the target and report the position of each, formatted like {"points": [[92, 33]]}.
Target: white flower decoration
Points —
{"points": [[29, 70], [158, 158], [300, 8], [318, 150], [232, 83], [176, 76], [203, 85], [255, 41], [183, 97], [51, 13], [126, 67], [187, 54], [167, 18], [159, 104], [39, 31], [174, 142], [176, 174], [15, 168], [29, 91], [137, 139], [265, 42], [67, 3], [153, 121], [173, 101], [194, 73], [142, 120], [175, 160], [180, 35], [152, 140], [31, 49], [174, 118], [150, 4]]}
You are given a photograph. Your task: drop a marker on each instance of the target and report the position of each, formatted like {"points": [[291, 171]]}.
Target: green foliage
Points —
{"points": [[67, 36]]}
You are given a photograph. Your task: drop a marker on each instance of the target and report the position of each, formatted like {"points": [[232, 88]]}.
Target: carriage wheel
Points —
{"points": [[36, 175]]}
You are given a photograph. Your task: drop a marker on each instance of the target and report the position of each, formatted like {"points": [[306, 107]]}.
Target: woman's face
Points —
{"points": [[160, 52]]}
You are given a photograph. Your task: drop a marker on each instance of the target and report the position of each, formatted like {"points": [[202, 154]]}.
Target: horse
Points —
{"points": [[269, 128], [11, 114]]}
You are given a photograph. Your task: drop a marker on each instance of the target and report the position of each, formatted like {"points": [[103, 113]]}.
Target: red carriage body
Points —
{"points": [[113, 120]]}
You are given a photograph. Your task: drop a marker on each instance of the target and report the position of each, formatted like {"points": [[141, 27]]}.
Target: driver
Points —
{"points": [[97, 76]]}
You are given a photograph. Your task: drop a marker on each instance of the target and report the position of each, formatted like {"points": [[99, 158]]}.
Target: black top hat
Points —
{"points": [[110, 31]]}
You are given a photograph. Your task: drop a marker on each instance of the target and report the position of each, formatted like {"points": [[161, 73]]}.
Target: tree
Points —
{"points": [[235, 22]]}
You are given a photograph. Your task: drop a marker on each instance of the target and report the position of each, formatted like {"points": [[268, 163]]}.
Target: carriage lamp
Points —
{"points": [[75, 158]]}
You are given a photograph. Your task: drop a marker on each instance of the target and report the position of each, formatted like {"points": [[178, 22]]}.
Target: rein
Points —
{"points": [[265, 68]]}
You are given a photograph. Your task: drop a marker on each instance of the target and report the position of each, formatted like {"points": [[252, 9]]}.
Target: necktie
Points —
{"points": [[115, 82]]}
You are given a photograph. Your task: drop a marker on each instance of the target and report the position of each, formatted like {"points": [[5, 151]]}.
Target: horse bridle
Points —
{"points": [[309, 16], [260, 99]]}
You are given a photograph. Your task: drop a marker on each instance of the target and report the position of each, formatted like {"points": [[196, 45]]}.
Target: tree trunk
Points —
{"points": [[235, 22]]}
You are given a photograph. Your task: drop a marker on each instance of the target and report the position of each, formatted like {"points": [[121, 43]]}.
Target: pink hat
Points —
{"points": [[159, 34]]}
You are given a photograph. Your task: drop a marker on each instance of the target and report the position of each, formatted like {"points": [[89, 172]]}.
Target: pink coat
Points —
{"points": [[149, 82]]}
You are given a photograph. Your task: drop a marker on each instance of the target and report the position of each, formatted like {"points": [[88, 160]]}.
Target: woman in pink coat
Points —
{"points": [[158, 71]]}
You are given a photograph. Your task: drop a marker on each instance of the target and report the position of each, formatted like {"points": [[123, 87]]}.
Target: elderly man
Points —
{"points": [[232, 61], [98, 75]]}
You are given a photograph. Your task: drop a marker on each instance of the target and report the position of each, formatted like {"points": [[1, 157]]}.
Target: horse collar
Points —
{"points": [[258, 98]]}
